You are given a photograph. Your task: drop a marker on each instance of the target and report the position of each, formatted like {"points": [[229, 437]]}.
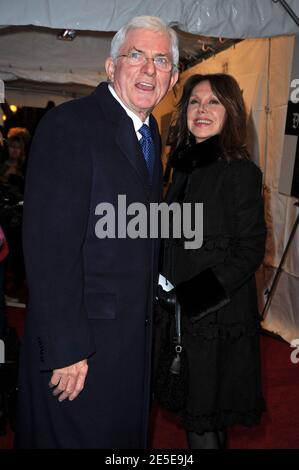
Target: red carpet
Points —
{"points": [[279, 428]]}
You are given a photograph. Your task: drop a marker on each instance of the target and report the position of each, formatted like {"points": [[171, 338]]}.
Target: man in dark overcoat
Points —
{"points": [[85, 362]]}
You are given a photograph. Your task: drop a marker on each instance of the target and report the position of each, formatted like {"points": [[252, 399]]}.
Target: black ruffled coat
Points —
{"points": [[216, 285]]}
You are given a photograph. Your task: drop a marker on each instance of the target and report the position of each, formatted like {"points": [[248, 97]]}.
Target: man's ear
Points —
{"points": [[110, 67]]}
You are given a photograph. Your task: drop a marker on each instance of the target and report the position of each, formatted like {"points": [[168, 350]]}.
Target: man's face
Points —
{"points": [[142, 87]]}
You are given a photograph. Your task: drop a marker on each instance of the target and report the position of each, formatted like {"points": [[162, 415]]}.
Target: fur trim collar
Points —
{"points": [[187, 158]]}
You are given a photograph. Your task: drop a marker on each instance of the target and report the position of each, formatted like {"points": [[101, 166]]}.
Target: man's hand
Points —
{"points": [[69, 381]]}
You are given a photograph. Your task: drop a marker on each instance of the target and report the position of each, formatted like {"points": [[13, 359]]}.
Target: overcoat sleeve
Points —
{"points": [[213, 288], [56, 209]]}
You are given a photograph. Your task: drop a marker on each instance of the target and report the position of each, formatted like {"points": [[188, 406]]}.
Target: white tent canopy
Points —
{"points": [[36, 54], [229, 18]]}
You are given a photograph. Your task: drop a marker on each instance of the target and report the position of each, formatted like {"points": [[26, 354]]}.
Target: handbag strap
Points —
{"points": [[176, 365], [178, 329]]}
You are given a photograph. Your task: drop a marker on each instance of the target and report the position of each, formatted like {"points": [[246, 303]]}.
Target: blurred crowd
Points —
{"points": [[13, 160]]}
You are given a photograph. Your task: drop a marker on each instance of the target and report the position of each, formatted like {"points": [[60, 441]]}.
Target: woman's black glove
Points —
{"points": [[166, 299]]}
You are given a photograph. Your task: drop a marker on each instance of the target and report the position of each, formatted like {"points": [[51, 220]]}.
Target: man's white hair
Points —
{"points": [[153, 23]]}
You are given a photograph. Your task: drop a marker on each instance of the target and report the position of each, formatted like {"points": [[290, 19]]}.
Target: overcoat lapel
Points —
{"points": [[125, 135], [128, 143]]}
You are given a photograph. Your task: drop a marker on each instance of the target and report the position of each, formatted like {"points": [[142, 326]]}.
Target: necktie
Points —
{"points": [[147, 146]]}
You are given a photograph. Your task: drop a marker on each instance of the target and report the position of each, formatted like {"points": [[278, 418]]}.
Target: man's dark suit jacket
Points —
{"points": [[88, 297]]}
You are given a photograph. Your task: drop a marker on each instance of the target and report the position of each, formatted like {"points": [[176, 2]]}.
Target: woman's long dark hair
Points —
{"points": [[233, 134]]}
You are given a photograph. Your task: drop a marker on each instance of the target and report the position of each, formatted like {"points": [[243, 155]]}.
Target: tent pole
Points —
{"points": [[288, 9], [270, 292]]}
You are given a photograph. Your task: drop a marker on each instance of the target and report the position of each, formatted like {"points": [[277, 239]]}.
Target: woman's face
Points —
{"points": [[205, 113]]}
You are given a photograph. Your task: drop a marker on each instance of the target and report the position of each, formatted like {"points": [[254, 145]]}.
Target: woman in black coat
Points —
{"points": [[215, 284]]}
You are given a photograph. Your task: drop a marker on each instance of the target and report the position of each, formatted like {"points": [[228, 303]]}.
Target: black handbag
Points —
{"points": [[171, 377]]}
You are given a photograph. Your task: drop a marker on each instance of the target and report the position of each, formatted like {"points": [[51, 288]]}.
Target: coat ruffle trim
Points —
{"points": [[222, 419], [222, 331]]}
